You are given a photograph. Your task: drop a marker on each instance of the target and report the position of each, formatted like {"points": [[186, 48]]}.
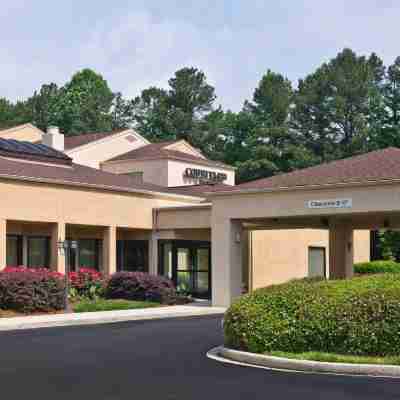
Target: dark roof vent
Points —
{"points": [[32, 152]]}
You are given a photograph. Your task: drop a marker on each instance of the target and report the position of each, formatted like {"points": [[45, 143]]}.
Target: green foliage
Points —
{"points": [[357, 317], [377, 267], [338, 358], [110, 305]]}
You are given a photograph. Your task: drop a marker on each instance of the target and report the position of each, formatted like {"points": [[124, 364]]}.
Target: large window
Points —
{"points": [[14, 250], [87, 255], [38, 252], [132, 255]]}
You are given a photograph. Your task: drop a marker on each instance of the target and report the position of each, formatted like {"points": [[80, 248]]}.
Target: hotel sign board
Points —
{"points": [[202, 174], [332, 203]]}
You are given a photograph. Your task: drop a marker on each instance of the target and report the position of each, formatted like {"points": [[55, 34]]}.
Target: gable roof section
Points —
{"points": [[161, 151], [71, 142], [373, 167], [27, 132]]}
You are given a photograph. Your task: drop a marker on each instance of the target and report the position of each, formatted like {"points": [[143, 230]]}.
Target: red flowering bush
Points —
{"points": [[140, 286], [28, 290], [86, 282]]}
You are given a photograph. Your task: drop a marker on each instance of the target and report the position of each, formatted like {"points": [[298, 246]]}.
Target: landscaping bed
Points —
{"points": [[307, 318], [40, 291]]}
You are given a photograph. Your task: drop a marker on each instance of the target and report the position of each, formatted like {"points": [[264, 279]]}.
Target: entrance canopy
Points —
{"points": [[361, 192]]}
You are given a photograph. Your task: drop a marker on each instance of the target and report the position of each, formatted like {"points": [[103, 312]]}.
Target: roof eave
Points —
{"points": [[99, 187], [305, 188]]}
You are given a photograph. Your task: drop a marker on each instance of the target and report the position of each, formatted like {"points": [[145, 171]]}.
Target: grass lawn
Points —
{"points": [[337, 358], [110, 305]]}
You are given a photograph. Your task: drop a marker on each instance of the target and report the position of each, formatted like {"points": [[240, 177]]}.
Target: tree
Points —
{"points": [[6, 113], [271, 145], [44, 106], [386, 131], [85, 104], [176, 113], [122, 112], [152, 113], [332, 105]]}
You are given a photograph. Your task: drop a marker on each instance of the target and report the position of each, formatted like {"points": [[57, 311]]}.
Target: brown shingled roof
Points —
{"points": [[199, 190], [79, 140], [375, 166], [74, 175], [159, 150]]}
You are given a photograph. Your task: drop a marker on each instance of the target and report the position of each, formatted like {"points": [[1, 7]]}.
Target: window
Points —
{"points": [[316, 262], [132, 255], [89, 253], [14, 250], [38, 252]]}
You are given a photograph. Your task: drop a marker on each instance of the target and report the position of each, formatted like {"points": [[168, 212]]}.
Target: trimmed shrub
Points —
{"points": [[87, 283], [360, 316], [140, 286], [29, 290], [377, 267]]}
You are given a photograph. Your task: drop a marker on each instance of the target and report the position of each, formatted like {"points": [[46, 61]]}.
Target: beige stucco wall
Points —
{"points": [[22, 201], [177, 168], [278, 256], [154, 171], [92, 154], [26, 132], [186, 218]]}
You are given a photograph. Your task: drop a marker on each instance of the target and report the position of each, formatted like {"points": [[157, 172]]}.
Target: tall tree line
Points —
{"points": [[348, 105]]}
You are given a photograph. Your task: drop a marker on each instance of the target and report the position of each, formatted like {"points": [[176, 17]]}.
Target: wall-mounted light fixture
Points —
{"points": [[238, 237]]}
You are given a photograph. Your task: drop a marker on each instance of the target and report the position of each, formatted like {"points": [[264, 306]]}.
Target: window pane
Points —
{"points": [[183, 255], [202, 283], [167, 262], [203, 261], [38, 252], [13, 251], [88, 253]]}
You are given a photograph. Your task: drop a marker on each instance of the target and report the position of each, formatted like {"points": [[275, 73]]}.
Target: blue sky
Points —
{"points": [[135, 44]]}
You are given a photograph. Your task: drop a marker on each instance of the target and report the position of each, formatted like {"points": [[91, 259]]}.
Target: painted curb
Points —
{"points": [[224, 354], [104, 317]]}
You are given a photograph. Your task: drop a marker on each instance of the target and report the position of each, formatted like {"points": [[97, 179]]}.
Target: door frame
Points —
{"points": [[191, 245], [308, 257]]}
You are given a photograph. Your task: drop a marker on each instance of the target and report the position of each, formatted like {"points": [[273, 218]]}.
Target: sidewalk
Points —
{"points": [[105, 317]]}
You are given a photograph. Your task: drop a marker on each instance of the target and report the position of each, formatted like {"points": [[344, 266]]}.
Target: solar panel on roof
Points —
{"points": [[22, 149]]}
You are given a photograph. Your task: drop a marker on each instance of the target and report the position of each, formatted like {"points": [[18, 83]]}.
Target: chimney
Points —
{"points": [[53, 138]]}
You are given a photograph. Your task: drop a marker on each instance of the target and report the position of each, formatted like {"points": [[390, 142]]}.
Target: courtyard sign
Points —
{"points": [[334, 203], [205, 175]]}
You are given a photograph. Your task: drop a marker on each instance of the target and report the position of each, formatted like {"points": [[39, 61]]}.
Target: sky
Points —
{"points": [[135, 44]]}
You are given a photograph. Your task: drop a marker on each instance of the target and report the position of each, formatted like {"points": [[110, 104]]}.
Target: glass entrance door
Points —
{"points": [[191, 266]]}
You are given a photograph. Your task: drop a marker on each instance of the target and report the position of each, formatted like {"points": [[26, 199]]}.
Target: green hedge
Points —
{"points": [[377, 267], [360, 316]]}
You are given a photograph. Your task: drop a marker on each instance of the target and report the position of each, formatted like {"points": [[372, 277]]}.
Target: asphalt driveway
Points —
{"points": [[160, 359]]}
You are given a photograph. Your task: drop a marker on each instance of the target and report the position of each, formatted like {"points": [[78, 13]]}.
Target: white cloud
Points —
{"points": [[139, 43]]}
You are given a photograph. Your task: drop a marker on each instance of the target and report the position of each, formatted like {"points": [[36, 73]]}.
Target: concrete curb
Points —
{"points": [[106, 317], [224, 354]]}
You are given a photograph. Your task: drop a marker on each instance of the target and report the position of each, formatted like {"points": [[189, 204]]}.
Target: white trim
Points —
{"points": [[112, 136]]}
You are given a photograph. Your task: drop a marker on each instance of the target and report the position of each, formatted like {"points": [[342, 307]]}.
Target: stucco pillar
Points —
{"points": [[153, 253], [341, 251], [226, 269], [110, 250], [57, 260], [3, 243]]}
